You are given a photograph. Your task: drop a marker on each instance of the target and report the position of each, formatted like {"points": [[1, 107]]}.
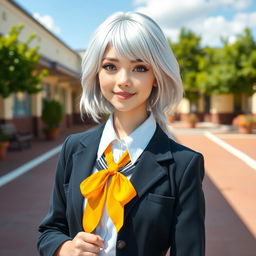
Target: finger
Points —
{"points": [[90, 254], [87, 247], [92, 239], [100, 238], [100, 241]]}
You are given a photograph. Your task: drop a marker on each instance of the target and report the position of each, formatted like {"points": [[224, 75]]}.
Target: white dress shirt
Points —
{"points": [[135, 143]]}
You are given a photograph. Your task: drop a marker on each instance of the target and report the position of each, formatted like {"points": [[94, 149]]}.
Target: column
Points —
{"points": [[6, 108], [222, 108]]}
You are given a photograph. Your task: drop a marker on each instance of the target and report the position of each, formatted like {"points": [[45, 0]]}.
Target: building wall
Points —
{"points": [[50, 46], [61, 84]]}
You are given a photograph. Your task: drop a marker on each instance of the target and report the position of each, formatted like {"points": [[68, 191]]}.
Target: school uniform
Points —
{"points": [[168, 210]]}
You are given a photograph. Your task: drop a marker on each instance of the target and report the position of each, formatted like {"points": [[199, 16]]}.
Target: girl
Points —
{"points": [[124, 187]]}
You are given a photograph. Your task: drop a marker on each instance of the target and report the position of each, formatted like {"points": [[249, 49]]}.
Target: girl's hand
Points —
{"points": [[83, 244]]}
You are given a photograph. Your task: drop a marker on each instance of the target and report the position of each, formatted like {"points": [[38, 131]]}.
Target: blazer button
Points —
{"points": [[120, 244]]}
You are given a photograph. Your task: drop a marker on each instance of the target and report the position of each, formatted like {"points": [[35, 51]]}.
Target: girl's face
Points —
{"points": [[125, 83]]}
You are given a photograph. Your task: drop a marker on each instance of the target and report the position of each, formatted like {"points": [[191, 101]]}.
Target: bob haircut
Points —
{"points": [[134, 36]]}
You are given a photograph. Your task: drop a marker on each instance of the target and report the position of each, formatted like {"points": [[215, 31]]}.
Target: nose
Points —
{"points": [[124, 79]]}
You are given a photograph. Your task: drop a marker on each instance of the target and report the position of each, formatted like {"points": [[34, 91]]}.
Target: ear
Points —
{"points": [[155, 83]]}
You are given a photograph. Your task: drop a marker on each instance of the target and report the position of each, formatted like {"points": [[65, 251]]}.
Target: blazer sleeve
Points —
{"points": [[188, 238], [53, 230]]}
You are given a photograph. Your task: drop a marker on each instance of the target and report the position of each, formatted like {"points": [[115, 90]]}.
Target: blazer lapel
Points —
{"points": [[149, 169], [147, 172], [83, 163]]}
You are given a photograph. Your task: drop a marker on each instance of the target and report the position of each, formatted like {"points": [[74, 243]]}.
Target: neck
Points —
{"points": [[125, 123]]}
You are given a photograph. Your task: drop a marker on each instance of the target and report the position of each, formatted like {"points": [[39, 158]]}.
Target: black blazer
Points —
{"points": [[168, 210]]}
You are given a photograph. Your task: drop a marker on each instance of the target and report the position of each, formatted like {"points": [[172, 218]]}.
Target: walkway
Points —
{"points": [[229, 185], [230, 192]]}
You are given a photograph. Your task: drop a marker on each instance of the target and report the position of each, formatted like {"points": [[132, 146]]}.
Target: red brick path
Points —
{"points": [[230, 190]]}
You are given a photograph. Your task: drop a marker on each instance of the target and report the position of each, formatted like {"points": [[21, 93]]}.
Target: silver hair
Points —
{"points": [[135, 36]]}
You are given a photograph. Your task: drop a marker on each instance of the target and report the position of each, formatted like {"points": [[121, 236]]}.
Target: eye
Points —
{"points": [[109, 67], [141, 68]]}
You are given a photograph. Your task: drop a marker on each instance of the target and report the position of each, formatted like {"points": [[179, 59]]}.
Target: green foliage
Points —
{"points": [[52, 113], [245, 62], [229, 69], [188, 53], [216, 74], [18, 64]]}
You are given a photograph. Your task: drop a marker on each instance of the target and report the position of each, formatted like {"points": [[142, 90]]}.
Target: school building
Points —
{"points": [[219, 108], [63, 82]]}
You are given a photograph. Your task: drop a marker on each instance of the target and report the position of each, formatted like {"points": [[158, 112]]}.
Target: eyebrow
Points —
{"points": [[116, 60]]}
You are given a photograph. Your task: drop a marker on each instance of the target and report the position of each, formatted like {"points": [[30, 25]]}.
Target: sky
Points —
{"points": [[74, 21]]}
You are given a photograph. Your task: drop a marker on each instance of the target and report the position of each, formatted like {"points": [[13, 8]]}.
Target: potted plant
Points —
{"points": [[52, 115], [4, 144], [191, 120], [170, 118], [245, 123]]}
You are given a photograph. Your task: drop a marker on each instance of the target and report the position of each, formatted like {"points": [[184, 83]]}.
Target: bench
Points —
{"points": [[17, 139]]}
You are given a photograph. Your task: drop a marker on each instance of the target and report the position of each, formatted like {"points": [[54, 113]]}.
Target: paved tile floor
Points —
{"points": [[229, 185], [230, 191]]}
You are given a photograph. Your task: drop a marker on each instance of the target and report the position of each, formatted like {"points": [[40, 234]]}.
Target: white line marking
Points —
{"points": [[242, 156], [237, 136], [28, 166]]}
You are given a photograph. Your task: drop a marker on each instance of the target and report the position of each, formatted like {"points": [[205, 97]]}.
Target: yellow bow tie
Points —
{"points": [[116, 193]]}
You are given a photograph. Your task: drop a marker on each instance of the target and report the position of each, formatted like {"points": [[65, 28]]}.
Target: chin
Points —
{"points": [[119, 107]]}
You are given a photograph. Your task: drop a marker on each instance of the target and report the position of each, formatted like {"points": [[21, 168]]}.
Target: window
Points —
{"points": [[22, 105], [47, 91]]}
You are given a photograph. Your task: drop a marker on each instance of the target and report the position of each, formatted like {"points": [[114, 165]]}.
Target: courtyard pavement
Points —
{"points": [[229, 186]]}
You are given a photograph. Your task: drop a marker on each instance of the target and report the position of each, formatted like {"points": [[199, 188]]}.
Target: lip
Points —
{"points": [[124, 95]]}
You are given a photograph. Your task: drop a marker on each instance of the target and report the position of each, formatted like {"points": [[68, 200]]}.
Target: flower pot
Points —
{"points": [[245, 123], [3, 149], [191, 124], [191, 120], [53, 133], [245, 129], [171, 119]]}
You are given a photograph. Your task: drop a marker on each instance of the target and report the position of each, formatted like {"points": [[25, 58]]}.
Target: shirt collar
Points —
{"points": [[108, 135], [135, 142]]}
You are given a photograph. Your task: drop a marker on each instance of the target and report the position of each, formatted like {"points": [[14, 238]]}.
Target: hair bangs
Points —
{"points": [[126, 42]]}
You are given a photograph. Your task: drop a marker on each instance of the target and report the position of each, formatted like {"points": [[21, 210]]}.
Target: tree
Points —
{"points": [[230, 69], [245, 62], [18, 64], [188, 53], [216, 74]]}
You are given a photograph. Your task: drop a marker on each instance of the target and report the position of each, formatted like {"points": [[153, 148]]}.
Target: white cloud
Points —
{"points": [[48, 22], [212, 28], [235, 4], [175, 13], [171, 33], [249, 19], [200, 16]]}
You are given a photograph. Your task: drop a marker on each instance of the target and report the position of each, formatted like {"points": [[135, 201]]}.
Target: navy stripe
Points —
{"points": [[126, 170]]}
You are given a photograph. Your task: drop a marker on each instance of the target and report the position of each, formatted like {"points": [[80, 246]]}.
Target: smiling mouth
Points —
{"points": [[124, 95]]}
